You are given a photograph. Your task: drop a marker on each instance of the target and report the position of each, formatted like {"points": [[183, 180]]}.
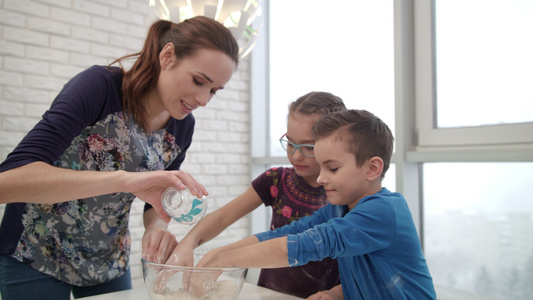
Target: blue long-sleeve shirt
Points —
{"points": [[376, 246]]}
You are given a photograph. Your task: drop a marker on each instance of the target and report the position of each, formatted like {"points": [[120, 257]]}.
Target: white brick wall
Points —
{"points": [[43, 43]]}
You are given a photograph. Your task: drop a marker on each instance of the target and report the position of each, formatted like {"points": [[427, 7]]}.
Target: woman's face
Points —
{"points": [[186, 84]]}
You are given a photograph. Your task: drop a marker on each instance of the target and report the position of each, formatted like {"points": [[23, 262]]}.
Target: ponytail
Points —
{"points": [[188, 37]]}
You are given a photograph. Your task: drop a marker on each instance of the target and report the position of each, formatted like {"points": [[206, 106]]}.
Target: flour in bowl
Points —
{"points": [[222, 290]]}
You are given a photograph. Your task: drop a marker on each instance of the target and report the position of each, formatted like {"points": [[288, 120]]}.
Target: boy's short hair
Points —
{"points": [[364, 134]]}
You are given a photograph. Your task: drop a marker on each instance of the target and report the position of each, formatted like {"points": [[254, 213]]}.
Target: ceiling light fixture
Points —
{"points": [[242, 17]]}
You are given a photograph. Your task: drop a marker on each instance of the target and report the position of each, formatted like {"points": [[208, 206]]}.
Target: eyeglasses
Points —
{"points": [[307, 150]]}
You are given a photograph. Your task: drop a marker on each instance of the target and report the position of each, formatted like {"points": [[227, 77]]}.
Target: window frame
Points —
{"points": [[428, 136]]}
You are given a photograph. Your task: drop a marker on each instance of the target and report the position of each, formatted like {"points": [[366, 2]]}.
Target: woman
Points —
{"points": [[110, 135]]}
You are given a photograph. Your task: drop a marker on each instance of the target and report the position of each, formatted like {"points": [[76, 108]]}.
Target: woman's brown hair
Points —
{"points": [[187, 37]]}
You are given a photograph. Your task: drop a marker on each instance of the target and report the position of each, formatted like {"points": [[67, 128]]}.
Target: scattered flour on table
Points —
{"points": [[222, 290]]}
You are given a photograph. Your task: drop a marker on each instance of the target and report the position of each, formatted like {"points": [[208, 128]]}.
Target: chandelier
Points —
{"points": [[242, 17]]}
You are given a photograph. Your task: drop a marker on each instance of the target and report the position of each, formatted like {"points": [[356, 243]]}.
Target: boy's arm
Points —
{"points": [[270, 249], [246, 253], [249, 253], [320, 216]]}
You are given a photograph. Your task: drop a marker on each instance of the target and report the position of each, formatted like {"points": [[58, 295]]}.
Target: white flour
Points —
{"points": [[222, 290]]}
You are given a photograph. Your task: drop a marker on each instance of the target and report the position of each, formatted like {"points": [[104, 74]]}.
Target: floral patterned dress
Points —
{"points": [[86, 241], [291, 198]]}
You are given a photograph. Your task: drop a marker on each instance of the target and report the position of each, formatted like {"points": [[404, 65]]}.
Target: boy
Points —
{"points": [[366, 227]]}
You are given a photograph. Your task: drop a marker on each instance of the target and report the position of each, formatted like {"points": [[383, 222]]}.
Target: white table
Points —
{"points": [[249, 292]]}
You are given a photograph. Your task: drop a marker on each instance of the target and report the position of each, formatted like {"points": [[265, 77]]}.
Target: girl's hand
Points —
{"points": [[181, 256]]}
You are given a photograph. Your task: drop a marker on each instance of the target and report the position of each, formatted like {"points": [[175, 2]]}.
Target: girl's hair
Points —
{"points": [[320, 103], [364, 134], [187, 37]]}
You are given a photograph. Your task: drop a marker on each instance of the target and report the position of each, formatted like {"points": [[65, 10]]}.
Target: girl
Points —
{"points": [[110, 135], [291, 192]]}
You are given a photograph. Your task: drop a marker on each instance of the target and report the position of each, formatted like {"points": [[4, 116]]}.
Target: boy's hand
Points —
{"points": [[333, 294], [201, 283], [321, 296]]}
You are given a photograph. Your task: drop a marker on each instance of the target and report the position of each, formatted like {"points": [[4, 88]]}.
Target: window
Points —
{"points": [[473, 72], [478, 220], [327, 46], [474, 121], [311, 45], [484, 63], [461, 113]]}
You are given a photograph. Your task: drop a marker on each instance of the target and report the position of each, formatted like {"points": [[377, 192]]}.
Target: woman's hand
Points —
{"points": [[157, 245], [39, 182], [145, 184], [149, 186]]}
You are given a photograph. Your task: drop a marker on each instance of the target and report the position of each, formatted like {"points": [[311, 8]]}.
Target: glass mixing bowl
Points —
{"points": [[168, 282]]}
